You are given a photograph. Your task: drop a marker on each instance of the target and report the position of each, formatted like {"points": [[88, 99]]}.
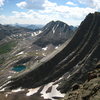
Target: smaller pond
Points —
{"points": [[19, 68]]}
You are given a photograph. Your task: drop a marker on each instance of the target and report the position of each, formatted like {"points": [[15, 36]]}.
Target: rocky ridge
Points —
{"points": [[71, 66], [7, 30], [56, 33]]}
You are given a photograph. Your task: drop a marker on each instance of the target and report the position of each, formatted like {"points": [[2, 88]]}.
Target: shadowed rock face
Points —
{"points": [[73, 61], [89, 90]]}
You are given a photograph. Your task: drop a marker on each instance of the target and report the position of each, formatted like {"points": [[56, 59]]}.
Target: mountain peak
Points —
{"points": [[56, 22], [55, 32]]}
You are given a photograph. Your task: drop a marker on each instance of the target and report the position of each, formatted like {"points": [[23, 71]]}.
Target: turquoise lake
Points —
{"points": [[19, 68]]}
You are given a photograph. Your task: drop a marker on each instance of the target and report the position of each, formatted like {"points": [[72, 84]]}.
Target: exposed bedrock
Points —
{"points": [[76, 59]]}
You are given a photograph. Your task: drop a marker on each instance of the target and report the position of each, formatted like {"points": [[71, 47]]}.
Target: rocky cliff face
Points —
{"points": [[72, 62], [89, 90]]}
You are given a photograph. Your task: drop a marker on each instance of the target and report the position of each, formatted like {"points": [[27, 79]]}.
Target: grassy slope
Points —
{"points": [[6, 48]]}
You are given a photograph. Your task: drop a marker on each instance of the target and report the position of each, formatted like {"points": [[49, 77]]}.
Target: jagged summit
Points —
{"points": [[55, 32]]}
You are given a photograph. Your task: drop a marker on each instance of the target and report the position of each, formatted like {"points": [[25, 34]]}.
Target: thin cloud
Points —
{"points": [[71, 3], [22, 4], [91, 3], [31, 4], [72, 15], [1, 3]]}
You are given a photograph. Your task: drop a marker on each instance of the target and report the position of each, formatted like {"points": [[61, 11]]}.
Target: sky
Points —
{"points": [[71, 12]]}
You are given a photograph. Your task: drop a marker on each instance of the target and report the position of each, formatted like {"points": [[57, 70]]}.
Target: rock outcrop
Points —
{"points": [[90, 90], [73, 61]]}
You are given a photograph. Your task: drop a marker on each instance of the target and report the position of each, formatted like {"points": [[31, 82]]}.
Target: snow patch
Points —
{"points": [[32, 91], [35, 33], [32, 35], [9, 76], [56, 26], [43, 92], [17, 90], [44, 54], [4, 85], [6, 95], [68, 76], [2, 89], [59, 79], [56, 47], [54, 92], [40, 32], [45, 48], [53, 30], [20, 53], [36, 57]]}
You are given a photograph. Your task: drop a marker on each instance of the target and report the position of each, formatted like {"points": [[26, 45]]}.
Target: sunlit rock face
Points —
{"points": [[63, 70]]}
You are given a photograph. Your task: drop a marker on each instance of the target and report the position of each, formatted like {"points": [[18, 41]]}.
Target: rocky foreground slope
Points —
{"points": [[89, 90], [74, 67]]}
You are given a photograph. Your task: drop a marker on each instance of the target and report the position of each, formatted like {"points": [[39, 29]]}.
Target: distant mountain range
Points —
{"points": [[55, 32], [29, 26], [7, 30]]}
